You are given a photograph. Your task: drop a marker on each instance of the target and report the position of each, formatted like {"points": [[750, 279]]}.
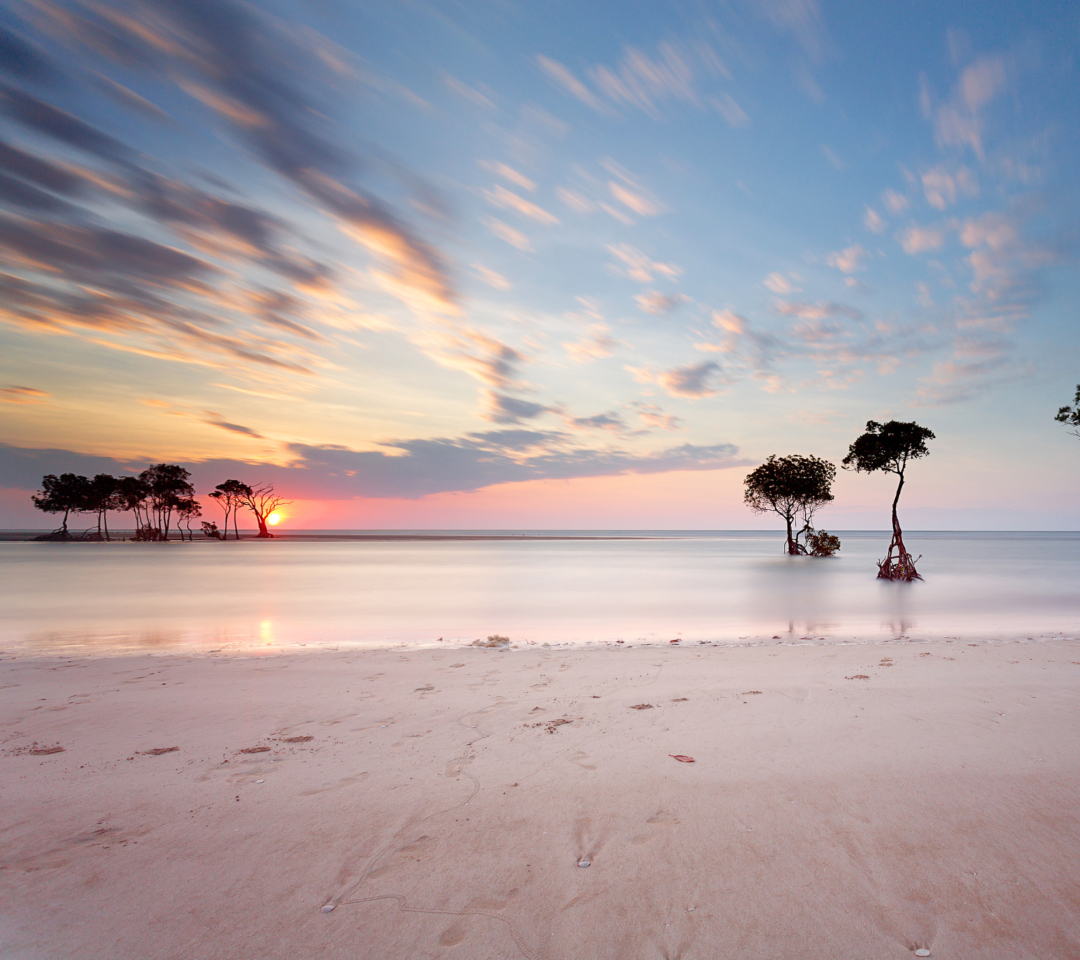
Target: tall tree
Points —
{"points": [[132, 494], [1071, 415], [889, 448], [100, 499], [791, 487], [187, 509], [66, 494], [230, 496], [262, 501], [169, 486]]}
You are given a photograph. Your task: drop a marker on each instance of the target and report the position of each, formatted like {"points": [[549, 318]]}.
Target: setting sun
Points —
{"points": [[274, 519]]}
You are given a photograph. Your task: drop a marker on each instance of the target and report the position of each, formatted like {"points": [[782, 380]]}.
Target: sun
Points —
{"points": [[274, 519]]}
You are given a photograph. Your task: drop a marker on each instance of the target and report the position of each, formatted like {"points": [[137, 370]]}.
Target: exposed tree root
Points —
{"points": [[903, 566]]}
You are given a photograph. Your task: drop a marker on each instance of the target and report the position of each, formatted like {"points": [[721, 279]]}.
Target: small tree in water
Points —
{"points": [[792, 487], [888, 448]]}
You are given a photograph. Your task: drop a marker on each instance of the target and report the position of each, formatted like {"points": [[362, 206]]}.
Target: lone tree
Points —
{"points": [[888, 448], [262, 501], [1071, 415], [68, 493], [230, 497], [792, 487]]}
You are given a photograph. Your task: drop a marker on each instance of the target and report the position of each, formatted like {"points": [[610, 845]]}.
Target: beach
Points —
{"points": [[845, 800]]}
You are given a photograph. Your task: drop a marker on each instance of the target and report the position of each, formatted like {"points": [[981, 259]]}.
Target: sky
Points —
{"points": [[542, 265]]}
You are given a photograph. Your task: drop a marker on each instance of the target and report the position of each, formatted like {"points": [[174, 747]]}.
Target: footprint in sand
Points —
{"points": [[344, 782], [659, 819], [582, 760], [456, 766], [452, 935]]}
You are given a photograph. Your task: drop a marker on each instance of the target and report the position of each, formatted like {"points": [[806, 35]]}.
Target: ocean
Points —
{"points": [[311, 590]]}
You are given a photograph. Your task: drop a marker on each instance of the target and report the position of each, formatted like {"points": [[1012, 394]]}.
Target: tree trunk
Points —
{"points": [[263, 532], [790, 544], [903, 567], [105, 516]]}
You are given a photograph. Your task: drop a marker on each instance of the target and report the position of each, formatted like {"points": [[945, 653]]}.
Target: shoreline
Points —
{"points": [[82, 650], [850, 799]]}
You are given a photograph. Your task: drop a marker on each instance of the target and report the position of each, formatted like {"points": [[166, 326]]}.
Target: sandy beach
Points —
{"points": [[856, 801]]}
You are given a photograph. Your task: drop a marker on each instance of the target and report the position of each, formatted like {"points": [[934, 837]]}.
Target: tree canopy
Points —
{"points": [[888, 448], [1071, 415], [790, 486]]}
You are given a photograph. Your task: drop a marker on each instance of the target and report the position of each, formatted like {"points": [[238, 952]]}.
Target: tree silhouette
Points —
{"points": [[65, 494], [791, 487], [169, 487], [100, 500], [131, 494], [262, 501], [230, 496], [888, 448], [187, 509], [1071, 415]]}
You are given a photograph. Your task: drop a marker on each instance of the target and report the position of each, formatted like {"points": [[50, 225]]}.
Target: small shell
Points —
{"points": [[922, 952], [584, 862], [327, 908]]}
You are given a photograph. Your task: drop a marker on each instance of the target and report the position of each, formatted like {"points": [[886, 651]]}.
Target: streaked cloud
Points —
{"points": [[657, 303], [508, 200], [595, 346], [504, 231], [692, 381], [636, 265], [22, 395], [873, 221], [491, 277], [406, 469]]}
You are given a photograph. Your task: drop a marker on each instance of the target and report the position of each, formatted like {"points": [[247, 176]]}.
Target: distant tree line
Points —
{"points": [[160, 499]]}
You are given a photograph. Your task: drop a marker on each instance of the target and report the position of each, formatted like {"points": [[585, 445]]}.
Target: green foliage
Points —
{"points": [[1071, 415], [888, 447], [790, 486], [822, 544]]}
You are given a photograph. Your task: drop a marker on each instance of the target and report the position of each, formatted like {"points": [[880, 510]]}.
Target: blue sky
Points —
{"points": [[407, 256]]}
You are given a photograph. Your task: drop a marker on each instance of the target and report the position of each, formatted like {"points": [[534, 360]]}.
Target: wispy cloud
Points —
{"points": [[959, 120], [22, 395], [850, 259], [942, 187], [508, 200], [692, 381], [657, 303], [636, 265], [510, 234], [597, 345]]}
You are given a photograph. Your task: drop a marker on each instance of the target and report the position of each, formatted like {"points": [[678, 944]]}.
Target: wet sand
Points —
{"points": [[845, 801]]}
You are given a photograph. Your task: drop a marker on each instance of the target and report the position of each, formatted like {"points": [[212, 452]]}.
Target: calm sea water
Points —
{"points": [[725, 587]]}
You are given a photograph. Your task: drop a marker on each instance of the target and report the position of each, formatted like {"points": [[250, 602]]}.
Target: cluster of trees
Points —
{"points": [[795, 487], [157, 498]]}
